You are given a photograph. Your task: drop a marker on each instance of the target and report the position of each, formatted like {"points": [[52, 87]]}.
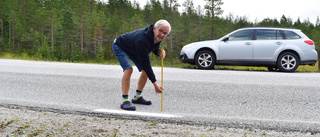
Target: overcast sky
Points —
{"points": [[261, 9]]}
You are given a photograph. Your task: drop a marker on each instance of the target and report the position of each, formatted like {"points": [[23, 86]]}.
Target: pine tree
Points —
{"points": [[214, 9], [2, 6], [68, 23], [317, 22]]}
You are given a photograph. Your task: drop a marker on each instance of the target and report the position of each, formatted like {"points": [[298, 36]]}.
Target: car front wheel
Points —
{"points": [[288, 62], [205, 59]]}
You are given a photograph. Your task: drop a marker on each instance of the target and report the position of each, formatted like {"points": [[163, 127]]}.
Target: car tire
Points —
{"points": [[205, 59], [288, 62]]}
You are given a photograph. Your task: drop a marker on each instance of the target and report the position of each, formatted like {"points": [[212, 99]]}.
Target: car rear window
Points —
{"points": [[267, 34], [291, 35]]}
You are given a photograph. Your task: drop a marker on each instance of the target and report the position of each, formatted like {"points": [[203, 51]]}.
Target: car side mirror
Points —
{"points": [[225, 39]]}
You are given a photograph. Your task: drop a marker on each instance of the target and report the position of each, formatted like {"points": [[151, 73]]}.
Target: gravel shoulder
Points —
{"points": [[26, 122]]}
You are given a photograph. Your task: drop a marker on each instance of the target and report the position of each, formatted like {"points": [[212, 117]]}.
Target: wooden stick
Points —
{"points": [[161, 77]]}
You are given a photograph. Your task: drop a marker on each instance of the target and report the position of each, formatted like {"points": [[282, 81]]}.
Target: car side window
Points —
{"points": [[291, 35], [268, 34], [241, 35]]}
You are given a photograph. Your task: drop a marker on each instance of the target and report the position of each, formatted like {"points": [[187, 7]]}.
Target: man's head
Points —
{"points": [[161, 29]]}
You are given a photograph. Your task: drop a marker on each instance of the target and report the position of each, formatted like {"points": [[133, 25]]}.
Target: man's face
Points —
{"points": [[160, 33]]}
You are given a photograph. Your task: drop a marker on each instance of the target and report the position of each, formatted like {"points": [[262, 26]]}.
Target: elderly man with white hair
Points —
{"points": [[136, 46]]}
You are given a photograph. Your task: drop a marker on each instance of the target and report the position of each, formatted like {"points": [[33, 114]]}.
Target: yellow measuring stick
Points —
{"points": [[161, 78]]}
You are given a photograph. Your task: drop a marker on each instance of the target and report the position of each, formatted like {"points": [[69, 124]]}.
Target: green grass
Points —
{"points": [[155, 61], [307, 68], [301, 68]]}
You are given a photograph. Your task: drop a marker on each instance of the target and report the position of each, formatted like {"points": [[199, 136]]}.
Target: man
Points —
{"points": [[136, 46]]}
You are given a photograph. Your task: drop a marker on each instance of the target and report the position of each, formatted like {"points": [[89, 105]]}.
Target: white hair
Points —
{"points": [[164, 23]]}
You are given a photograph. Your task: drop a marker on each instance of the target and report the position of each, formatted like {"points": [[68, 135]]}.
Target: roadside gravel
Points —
{"points": [[25, 122]]}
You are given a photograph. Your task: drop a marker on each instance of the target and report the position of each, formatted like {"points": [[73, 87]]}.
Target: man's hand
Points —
{"points": [[163, 53], [157, 88]]}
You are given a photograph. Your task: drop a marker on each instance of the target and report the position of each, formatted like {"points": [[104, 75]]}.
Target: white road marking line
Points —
{"points": [[135, 113]]}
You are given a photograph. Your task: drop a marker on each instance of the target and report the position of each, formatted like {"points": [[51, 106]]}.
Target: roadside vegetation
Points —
{"points": [[155, 61]]}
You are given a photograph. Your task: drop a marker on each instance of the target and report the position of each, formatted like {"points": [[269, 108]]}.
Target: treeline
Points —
{"points": [[83, 30]]}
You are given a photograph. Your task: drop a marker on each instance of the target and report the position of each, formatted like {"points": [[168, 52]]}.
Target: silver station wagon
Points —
{"points": [[282, 49]]}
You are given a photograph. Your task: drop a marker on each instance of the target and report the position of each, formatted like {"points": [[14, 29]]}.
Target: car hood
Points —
{"points": [[208, 43]]}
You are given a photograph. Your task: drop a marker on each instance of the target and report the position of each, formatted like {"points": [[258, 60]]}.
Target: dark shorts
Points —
{"points": [[124, 58]]}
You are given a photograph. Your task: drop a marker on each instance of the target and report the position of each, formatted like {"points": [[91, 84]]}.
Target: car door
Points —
{"points": [[267, 44], [239, 47]]}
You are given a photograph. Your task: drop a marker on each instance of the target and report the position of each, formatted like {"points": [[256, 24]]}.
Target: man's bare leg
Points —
{"points": [[142, 80], [141, 83], [125, 83]]}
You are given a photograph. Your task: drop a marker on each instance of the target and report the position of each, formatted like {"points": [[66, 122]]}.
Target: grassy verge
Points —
{"points": [[301, 68], [157, 62]]}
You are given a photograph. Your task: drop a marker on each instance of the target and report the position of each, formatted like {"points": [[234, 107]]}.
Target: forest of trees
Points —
{"points": [[83, 30]]}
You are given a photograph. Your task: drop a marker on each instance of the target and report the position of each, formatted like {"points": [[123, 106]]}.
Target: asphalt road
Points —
{"points": [[241, 99]]}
